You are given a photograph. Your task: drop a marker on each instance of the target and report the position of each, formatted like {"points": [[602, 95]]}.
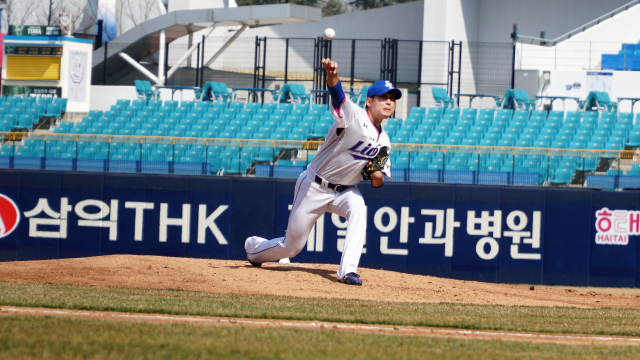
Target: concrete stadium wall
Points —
{"points": [[555, 17], [583, 51], [450, 20], [483, 233], [619, 84], [103, 96], [492, 20]]}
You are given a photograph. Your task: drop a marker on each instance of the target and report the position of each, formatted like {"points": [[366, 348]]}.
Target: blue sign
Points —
{"points": [[484, 233]]}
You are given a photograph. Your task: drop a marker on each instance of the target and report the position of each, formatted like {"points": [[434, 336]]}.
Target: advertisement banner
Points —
{"points": [[616, 223], [33, 50], [599, 81], [77, 75], [33, 30], [33, 91], [480, 233]]}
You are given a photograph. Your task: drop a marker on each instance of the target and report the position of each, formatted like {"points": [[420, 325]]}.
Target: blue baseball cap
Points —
{"points": [[383, 87]]}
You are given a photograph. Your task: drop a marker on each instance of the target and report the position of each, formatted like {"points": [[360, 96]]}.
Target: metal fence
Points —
{"points": [[414, 65], [273, 158], [486, 69], [567, 55]]}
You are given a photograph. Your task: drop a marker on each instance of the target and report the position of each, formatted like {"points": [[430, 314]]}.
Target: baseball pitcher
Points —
{"points": [[356, 148]]}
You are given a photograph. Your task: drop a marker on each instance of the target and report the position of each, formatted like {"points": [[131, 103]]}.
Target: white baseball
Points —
{"points": [[329, 33]]}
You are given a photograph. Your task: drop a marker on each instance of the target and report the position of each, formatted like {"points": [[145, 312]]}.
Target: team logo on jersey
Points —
{"points": [[365, 153], [9, 216]]}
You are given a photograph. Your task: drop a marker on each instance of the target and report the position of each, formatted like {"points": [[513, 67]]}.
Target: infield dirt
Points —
{"points": [[300, 280]]}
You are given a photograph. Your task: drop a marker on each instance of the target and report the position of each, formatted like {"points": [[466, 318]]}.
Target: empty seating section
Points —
{"points": [[628, 58], [526, 147], [24, 112], [204, 120], [169, 137], [518, 146]]}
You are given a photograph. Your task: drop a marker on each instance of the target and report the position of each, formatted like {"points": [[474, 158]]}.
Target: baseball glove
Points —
{"points": [[377, 163]]}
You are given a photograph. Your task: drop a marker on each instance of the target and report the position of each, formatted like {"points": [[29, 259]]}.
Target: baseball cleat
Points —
{"points": [[254, 263], [351, 279]]}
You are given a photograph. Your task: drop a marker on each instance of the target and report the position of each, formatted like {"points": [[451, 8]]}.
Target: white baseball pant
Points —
{"points": [[311, 200]]}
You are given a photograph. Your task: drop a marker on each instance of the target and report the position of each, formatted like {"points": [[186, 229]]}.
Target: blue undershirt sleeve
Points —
{"points": [[337, 95]]}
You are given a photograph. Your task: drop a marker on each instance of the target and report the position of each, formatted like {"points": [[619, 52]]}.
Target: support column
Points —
{"points": [[161, 58], [161, 7], [189, 45]]}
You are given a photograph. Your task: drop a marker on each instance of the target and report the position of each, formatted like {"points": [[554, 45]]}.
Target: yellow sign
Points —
{"points": [[33, 67]]}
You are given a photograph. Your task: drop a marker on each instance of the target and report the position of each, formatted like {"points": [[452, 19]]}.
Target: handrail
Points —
{"points": [[583, 163], [554, 42], [303, 143]]}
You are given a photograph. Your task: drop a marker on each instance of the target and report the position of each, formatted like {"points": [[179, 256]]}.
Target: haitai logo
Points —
{"points": [[9, 216], [615, 226]]}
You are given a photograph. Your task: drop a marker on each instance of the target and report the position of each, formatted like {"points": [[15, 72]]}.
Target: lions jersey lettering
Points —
{"points": [[368, 151], [345, 153]]}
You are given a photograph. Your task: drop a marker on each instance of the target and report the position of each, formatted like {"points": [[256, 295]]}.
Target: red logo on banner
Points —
{"points": [[9, 216]]}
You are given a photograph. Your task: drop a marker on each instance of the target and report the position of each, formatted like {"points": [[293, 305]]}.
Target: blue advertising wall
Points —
{"points": [[471, 232]]}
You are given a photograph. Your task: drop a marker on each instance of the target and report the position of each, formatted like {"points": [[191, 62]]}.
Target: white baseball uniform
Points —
{"points": [[352, 140]]}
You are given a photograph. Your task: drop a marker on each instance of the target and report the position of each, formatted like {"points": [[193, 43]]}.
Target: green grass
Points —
{"points": [[179, 302], [27, 337]]}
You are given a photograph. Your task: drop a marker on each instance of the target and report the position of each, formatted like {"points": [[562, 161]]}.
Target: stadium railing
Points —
{"points": [[490, 165]]}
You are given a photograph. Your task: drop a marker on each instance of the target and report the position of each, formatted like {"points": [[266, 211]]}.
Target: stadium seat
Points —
{"points": [[608, 118], [361, 96], [144, 90], [434, 113], [589, 103], [418, 112], [561, 176], [299, 94], [603, 100], [442, 98], [590, 117], [486, 115], [522, 99], [625, 118]]}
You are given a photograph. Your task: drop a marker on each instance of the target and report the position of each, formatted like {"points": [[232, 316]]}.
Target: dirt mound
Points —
{"points": [[301, 280]]}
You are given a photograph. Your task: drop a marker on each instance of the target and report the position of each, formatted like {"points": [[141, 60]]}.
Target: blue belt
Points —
{"points": [[334, 187]]}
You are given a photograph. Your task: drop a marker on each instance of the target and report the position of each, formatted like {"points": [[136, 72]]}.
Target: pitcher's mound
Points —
{"points": [[300, 280]]}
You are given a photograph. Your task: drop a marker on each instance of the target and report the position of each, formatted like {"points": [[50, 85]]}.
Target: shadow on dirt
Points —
{"points": [[327, 274]]}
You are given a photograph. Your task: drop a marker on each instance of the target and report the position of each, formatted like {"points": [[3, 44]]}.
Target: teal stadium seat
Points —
{"points": [[144, 90], [442, 98], [361, 96]]}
